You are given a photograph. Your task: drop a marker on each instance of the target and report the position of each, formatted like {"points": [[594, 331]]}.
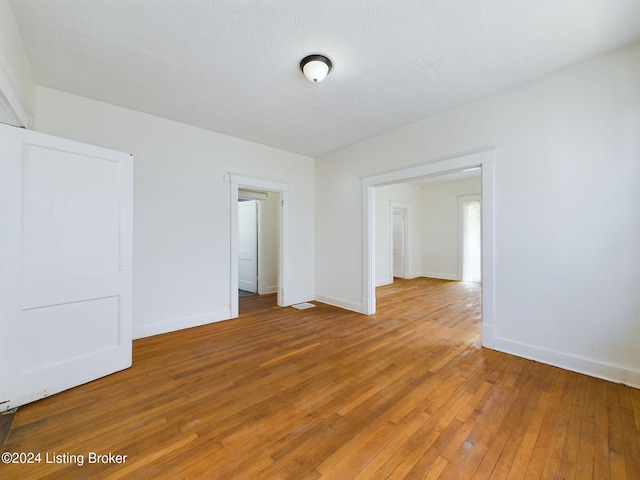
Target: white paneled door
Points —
{"points": [[248, 245], [65, 273], [398, 242]]}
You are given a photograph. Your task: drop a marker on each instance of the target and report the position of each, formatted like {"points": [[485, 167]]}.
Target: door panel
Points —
{"points": [[398, 243], [40, 325], [70, 212], [67, 254], [248, 246]]}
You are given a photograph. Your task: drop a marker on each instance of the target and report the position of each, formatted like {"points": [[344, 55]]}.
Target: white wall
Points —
{"points": [[17, 86], [567, 190], [406, 194], [441, 227], [182, 206]]}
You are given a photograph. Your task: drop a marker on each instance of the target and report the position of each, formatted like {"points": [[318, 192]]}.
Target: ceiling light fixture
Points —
{"points": [[315, 67]]}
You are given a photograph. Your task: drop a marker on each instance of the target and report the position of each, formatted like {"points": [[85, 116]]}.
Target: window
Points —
{"points": [[471, 246]]}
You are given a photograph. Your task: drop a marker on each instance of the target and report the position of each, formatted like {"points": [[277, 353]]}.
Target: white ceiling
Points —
{"points": [[232, 66]]}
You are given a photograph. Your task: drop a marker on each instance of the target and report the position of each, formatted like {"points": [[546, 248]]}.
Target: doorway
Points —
{"points": [[482, 159], [248, 241], [470, 239], [397, 242], [400, 234], [257, 242], [279, 192]]}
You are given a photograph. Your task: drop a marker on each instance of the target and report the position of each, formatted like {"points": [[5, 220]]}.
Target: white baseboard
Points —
{"points": [[338, 302], [488, 339], [266, 290], [180, 324], [442, 276], [568, 362], [384, 281], [409, 276], [298, 299]]}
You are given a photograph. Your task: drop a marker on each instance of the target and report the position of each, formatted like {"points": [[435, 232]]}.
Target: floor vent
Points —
{"points": [[302, 306]]}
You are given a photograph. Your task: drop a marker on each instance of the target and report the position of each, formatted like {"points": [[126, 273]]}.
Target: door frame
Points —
{"points": [[236, 183], [483, 159]]}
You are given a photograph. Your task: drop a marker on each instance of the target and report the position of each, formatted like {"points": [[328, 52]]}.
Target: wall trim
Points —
{"points": [[384, 281], [340, 303], [573, 363], [143, 331], [412, 275], [267, 289], [488, 336], [440, 275]]}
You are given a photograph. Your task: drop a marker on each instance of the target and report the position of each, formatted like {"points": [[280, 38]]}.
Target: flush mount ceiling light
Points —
{"points": [[315, 67]]}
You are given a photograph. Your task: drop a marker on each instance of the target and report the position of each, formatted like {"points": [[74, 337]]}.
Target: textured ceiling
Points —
{"points": [[232, 66]]}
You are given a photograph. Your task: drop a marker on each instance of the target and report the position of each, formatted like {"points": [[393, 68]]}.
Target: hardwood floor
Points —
{"points": [[5, 424], [324, 393]]}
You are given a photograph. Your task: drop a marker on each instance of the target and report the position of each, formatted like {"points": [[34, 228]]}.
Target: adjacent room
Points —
{"points": [[352, 239]]}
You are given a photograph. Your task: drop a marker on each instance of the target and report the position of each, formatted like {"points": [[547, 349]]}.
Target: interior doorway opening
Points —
{"points": [[433, 232], [249, 237], [271, 225], [257, 242], [398, 238], [470, 239], [482, 160]]}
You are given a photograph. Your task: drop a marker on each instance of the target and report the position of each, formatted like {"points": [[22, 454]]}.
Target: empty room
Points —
{"points": [[318, 239]]}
